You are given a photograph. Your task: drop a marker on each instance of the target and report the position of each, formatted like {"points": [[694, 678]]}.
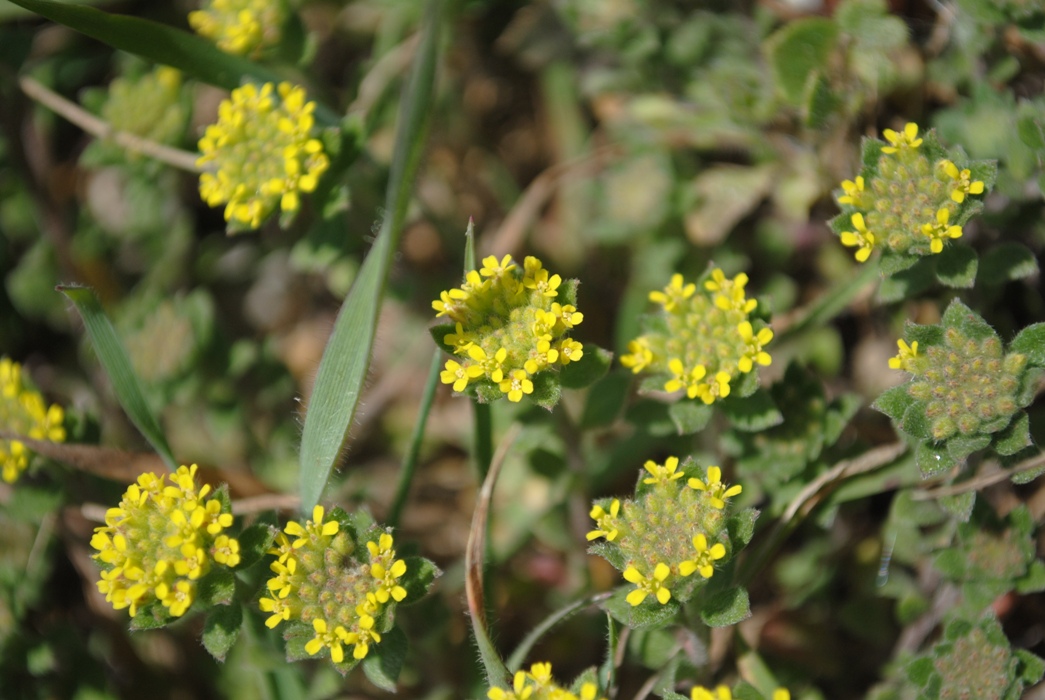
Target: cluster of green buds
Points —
{"points": [[24, 412], [336, 582], [966, 391], [510, 330], [910, 198], [673, 528], [162, 539], [261, 155], [243, 27], [152, 106], [703, 338], [538, 684]]}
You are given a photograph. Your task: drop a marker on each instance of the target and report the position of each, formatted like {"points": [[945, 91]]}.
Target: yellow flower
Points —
{"points": [[729, 293], [23, 411], [781, 694], [240, 26], [853, 190], [314, 530], [606, 523], [648, 585], [683, 378], [260, 154], [755, 343], [459, 375], [332, 639], [639, 355], [542, 284], [907, 356], [715, 488], [494, 268], [675, 292], [908, 138], [963, 182], [940, 229], [570, 351], [662, 474], [701, 693], [160, 540], [517, 385], [861, 237], [541, 356], [279, 608], [717, 389], [704, 562]]}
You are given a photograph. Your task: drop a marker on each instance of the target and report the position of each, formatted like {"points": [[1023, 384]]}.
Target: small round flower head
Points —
{"points": [[326, 583], [160, 541], [243, 27], [905, 200], [261, 154], [702, 338], [670, 530], [538, 684], [781, 694], [23, 411], [699, 692], [968, 386], [510, 324]]}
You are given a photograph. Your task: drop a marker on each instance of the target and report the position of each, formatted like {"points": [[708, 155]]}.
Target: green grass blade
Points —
{"points": [[156, 42], [160, 43], [117, 365], [342, 371]]}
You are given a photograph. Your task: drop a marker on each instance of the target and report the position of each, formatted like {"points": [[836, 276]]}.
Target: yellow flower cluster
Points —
{"points": [[706, 339], [538, 684], [660, 555], [908, 205], [244, 27], [24, 412], [724, 693], [320, 582], [261, 153], [162, 538], [509, 324]]}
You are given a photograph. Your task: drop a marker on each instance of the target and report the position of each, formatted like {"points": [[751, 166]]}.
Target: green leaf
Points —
{"points": [[821, 101], [894, 402], [606, 400], [726, 608], [547, 391], [1034, 580], [1032, 666], [741, 528], [419, 576], [753, 413], [1015, 437], [892, 263], [648, 615], [440, 332], [689, 416], [905, 283], [1031, 130], [931, 460], [960, 446], [960, 506], [967, 322], [221, 629], [915, 423], [385, 660], [113, 356], [1031, 342], [610, 552], [217, 587], [797, 50], [951, 563], [593, 366], [839, 412], [920, 670], [151, 616], [956, 266], [346, 358], [1006, 262], [254, 542]]}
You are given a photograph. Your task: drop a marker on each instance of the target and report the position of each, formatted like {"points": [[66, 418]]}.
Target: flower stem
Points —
{"points": [[406, 473]]}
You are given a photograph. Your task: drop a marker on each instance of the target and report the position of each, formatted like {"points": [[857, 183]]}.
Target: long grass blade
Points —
{"points": [[346, 358], [117, 365]]}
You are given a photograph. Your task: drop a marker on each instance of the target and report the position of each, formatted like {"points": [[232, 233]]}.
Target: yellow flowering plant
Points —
{"points": [[911, 200], [23, 412]]}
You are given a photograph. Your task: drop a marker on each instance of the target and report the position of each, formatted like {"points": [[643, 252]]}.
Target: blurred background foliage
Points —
{"points": [[620, 141]]}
